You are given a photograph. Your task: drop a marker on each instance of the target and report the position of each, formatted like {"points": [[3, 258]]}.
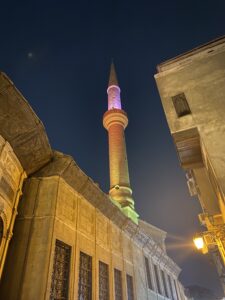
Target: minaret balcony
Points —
{"points": [[115, 116]]}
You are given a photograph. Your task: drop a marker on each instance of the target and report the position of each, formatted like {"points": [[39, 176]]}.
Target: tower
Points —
{"points": [[115, 120]]}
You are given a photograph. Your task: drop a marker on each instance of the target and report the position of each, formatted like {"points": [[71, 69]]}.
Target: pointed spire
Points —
{"points": [[112, 77]]}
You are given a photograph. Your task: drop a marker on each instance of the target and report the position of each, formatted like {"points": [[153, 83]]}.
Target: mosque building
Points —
{"points": [[61, 236]]}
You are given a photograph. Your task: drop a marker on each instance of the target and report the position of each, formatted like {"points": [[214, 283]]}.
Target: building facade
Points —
{"points": [[192, 90], [70, 239]]}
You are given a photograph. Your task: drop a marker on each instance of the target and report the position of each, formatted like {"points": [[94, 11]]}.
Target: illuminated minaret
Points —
{"points": [[115, 121]]}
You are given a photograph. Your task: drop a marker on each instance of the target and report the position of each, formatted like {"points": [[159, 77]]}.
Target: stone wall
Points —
{"points": [[52, 210]]}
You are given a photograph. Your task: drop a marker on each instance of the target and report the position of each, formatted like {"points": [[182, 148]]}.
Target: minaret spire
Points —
{"points": [[115, 121], [113, 90], [113, 77]]}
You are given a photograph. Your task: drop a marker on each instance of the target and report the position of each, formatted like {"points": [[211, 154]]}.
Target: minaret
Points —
{"points": [[115, 121]]}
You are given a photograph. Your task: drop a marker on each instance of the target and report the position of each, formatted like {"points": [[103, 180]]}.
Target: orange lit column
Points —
{"points": [[115, 121]]}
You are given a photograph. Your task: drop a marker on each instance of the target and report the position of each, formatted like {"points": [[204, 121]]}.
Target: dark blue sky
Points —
{"points": [[64, 78]]}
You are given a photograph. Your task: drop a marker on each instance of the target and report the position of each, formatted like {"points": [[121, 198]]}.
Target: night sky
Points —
{"points": [[58, 54]]}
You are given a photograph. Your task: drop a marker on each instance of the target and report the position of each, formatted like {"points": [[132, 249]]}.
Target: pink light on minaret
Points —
{"points": [[113, 91]]}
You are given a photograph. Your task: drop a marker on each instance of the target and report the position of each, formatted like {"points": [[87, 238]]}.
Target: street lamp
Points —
{"points": [[211, 239], [199, 242]]}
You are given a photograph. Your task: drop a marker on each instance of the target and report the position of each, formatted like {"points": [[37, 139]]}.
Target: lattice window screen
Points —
{"points": [[157, 279], [148, 272], [118, 285], [85, 277], [7, 189], [130, 288], [61, 270], [176, 291], [103, 281], [164, 283], [171, 288]]}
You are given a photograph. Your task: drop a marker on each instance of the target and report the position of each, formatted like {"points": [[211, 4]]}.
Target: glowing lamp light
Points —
{"points": [[199, 242]]}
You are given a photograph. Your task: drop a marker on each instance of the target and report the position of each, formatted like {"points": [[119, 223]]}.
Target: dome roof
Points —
{"points": [[21, 127]]}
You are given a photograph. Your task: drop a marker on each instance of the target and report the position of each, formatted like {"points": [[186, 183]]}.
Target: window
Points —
{"points": [[61, 270], [148, 272], [181, 105], [157, 279], [118, 285], [171, 287], [7, 189], [164, 283], [85, 277], [130, 288], [103, 281], [1, 230], [175, 285]]}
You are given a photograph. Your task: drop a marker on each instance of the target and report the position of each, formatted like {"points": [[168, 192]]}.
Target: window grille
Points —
{"points": [[148, 272], [157, 279], [164, 284], [103, 281], [7, 189], [130, 288], [175, 285], [1, 230], [181, 105], [118, 285], [171, 287], [61, 270], [85, 277]]}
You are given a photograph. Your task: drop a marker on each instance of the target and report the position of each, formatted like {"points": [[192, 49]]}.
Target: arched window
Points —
{"points": [[1, 230]]}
